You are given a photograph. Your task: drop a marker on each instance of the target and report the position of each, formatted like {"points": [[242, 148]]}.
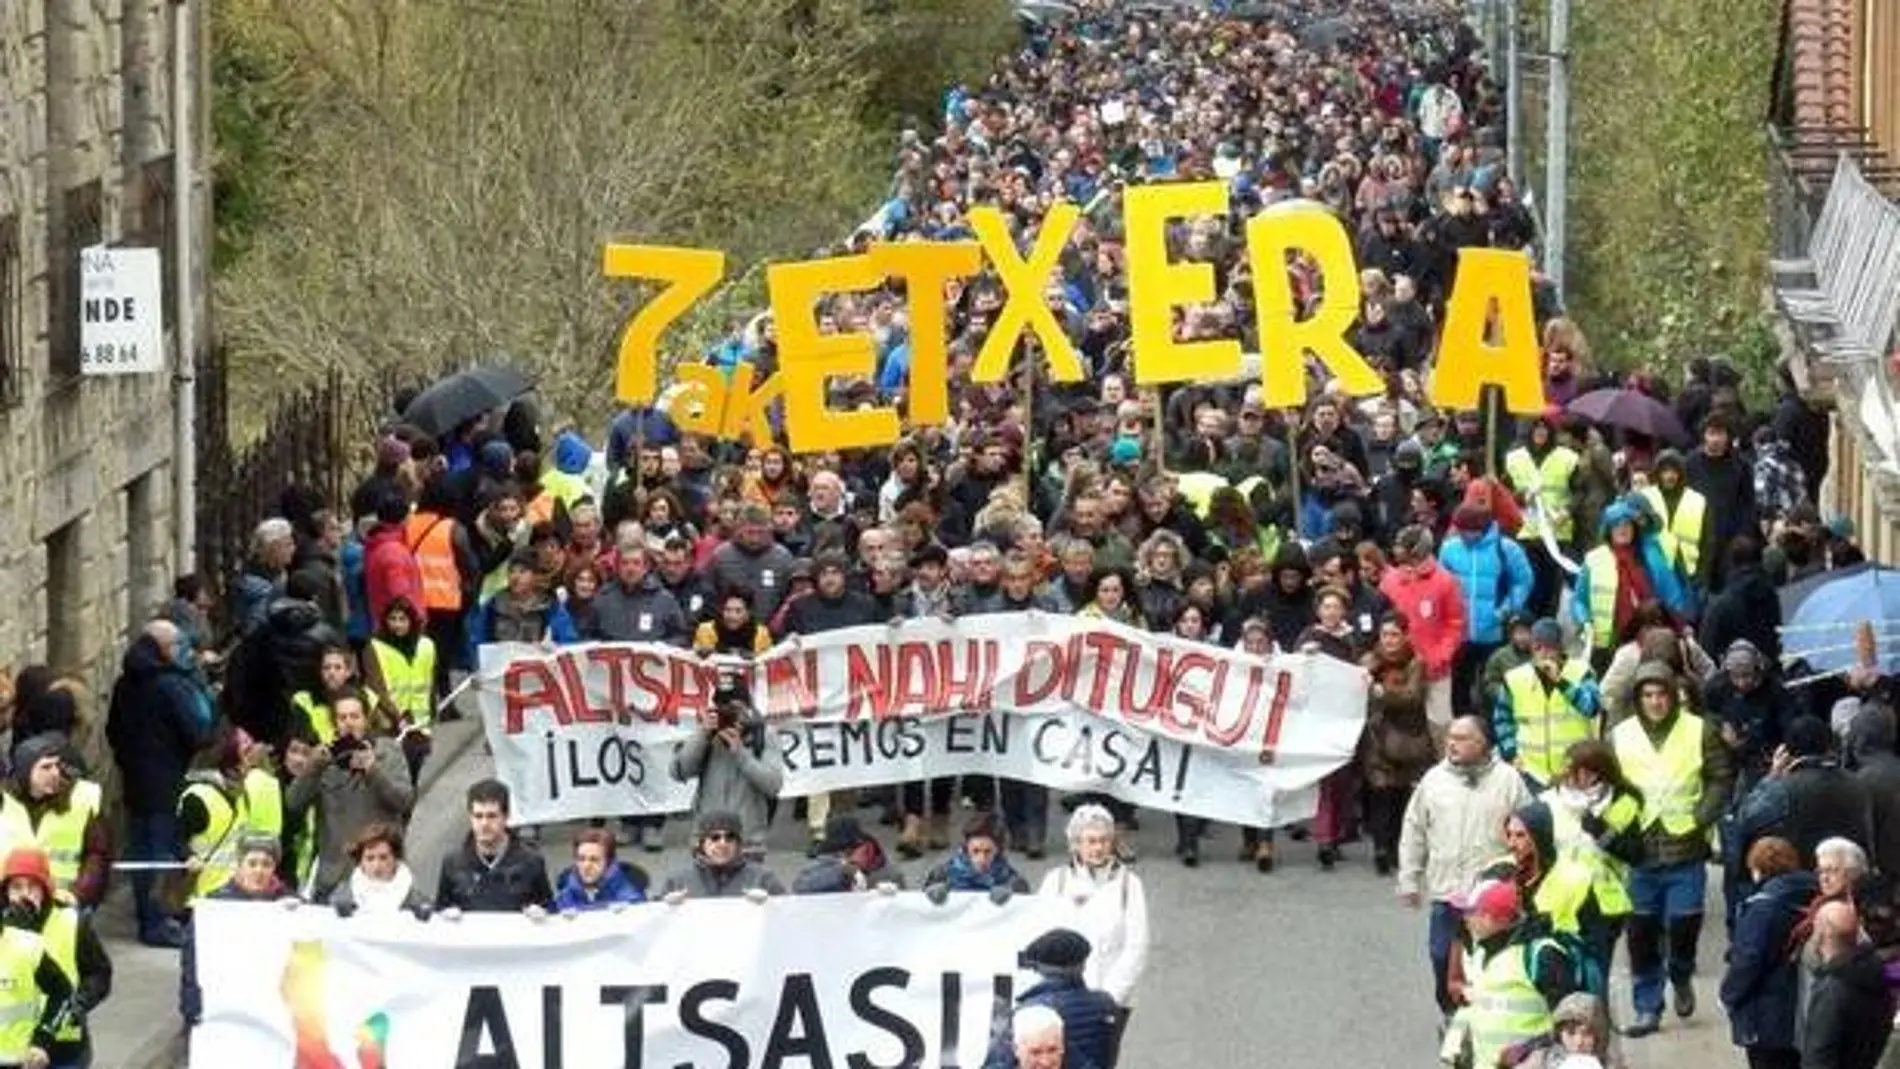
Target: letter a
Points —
{"points": [[1023, 305], [1468, 357]]}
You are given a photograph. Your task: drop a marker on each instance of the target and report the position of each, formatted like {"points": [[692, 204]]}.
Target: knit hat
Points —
{"points": [[1654, 672], [721, 820], [30, 863], [1742, 656], [572, 454], [1546, 632], [841, 834], [1409, 456], [1670, 458], [391, 451], [1126, 450], [261, 844]]}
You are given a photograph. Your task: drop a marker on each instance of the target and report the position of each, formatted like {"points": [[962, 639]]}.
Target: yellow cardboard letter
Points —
{"points": [[1156, 287], [688, 275], [925, 267], [808, 360], [1285, 339], [1024, 307], [749, 406], [1470, 355], [697, 402]]}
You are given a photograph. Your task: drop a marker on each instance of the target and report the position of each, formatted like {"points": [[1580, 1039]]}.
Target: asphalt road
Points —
{"points": [[1298, 968]]}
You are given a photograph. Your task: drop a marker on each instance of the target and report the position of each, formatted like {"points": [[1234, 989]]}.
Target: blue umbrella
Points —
{"points": [[1821, 614]]}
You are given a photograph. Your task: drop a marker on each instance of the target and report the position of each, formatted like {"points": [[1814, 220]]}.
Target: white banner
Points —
{"points": [[1073, 704], [828, 980]]}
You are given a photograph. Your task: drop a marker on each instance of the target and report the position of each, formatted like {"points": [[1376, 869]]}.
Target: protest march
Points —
{"points": [[1182, 510]]}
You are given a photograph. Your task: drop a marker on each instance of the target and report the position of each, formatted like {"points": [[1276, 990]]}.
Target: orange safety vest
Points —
{"points": [[432, 539]]}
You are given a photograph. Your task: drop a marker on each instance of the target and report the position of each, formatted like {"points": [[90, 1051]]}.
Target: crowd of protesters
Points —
{"points": [[1578, 699]]}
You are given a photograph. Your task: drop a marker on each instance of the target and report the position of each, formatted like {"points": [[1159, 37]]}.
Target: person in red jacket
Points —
{"points": [[390, 570], [1433, 605]]}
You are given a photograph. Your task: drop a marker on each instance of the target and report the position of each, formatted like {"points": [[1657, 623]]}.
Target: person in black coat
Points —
{"points": [[1088, 1016], [1747, 607], [1720, 475], [1850, 1010], [1870, 746], [1762, 982], [493, 872], [1804, 427], [1818, 799], [1751, 707], [159, 717]]}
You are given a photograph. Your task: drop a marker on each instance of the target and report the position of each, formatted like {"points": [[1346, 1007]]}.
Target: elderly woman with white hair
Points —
{"points": [[1036, 1038], [273, 545], [1107, 905], [1839, 867]]}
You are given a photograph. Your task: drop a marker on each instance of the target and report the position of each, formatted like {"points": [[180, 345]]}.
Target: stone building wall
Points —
{"points": [[85, 478]]}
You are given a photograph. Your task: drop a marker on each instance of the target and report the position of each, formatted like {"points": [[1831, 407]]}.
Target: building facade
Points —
{"points": [[86, 505], [1837, 91]]}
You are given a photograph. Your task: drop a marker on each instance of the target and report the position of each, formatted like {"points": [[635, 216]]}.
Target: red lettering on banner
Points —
{"points": [[1105, 647], [691, 695], [1139, 709], [617, 662], [651, 686], [532, 685], [1228, 734], [582, 705], [1182, 695], [1031, 690], [972, 690], [914, 687], [864, 683], [791, 685], [1276, 716]]}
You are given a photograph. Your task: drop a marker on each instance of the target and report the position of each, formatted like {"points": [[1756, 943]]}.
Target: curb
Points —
{"points": [[169, 1050]]}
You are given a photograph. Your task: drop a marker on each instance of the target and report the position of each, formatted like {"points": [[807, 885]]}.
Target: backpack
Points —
{"points": [[1585, 968]]}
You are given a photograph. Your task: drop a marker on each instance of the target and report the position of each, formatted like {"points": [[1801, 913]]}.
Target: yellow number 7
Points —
{"points": [[687, 275]]}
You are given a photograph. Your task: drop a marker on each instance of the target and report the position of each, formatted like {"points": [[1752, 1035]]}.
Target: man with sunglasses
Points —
{"points": [[720, 868]]}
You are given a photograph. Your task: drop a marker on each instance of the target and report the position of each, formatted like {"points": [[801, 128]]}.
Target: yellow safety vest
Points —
{"points": [[1601, 564], [61, 936], [1670, 776], [1583, 868], [1547, 724], [1504, 1006], [568, 489], [62, 834], [217, 843], [263, 804], [409, 680], [1548, 482], [1681, 534], [20, 999], [322, 722], [1197, 489]]}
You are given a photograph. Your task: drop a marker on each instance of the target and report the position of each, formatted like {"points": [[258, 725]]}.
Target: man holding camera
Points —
{"points": [[736, 775]]}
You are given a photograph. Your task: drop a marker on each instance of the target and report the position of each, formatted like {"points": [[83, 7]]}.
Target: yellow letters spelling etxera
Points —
{"points": [[1489, 337]]}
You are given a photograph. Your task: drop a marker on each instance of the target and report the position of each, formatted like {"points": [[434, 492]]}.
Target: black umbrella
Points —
{"points": [[463, 396], [1632, 410]]}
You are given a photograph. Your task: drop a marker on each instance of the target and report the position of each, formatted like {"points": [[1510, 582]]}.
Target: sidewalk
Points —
{"points": [[138, 1027]]}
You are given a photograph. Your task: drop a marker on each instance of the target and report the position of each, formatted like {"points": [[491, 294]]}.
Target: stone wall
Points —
{"points": [[85, 487]]}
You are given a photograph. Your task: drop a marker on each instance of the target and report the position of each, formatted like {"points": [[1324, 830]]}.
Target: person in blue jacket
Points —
{"points": [[1088, 1016], [1761, 987], [520, 612], [597, 880], [1496, 576]]}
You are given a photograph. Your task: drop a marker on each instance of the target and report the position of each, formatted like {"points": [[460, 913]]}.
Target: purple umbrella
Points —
{"points": [[1632, 410]]}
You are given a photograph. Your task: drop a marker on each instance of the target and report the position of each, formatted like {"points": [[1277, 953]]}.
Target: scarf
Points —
{"points": [[964, 875], [381, 896], [1632, 585]]}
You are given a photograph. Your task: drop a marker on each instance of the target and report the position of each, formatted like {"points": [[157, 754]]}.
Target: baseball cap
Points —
{"points": [[1490, 898]]}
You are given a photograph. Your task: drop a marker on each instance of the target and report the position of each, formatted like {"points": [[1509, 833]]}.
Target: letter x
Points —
{"points": [[1023, 304]]}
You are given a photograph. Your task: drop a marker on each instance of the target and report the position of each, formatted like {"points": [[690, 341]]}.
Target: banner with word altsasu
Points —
{"points": [[1071, 703], [829, 980]]}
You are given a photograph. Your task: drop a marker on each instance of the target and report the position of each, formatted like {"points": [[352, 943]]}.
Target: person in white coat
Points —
{"points": [[1107, 905], [1453, 828]]}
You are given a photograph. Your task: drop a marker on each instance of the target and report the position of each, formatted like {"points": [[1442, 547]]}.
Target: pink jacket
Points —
{"points": [[1433, 605]]}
